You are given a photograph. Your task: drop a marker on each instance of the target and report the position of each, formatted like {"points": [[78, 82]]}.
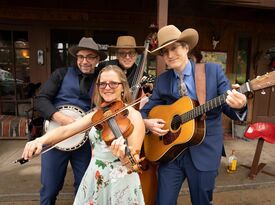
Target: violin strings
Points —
{"points": [[119, 111], [117, 133]]}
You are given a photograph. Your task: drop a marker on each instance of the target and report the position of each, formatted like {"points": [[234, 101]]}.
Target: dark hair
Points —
{"points": [[197, 55]]}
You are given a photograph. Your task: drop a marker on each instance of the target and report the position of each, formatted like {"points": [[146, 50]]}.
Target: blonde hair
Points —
{"points": [[126, 96]]}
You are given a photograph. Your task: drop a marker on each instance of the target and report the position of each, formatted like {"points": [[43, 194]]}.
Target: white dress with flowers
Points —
{"points": [[106, 181]]}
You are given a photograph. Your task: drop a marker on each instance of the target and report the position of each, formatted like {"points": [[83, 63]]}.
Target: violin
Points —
{"points": [[109, 127], [116, 126]]}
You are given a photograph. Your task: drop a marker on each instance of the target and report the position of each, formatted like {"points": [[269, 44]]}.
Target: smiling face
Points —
{"points": [[126, 57], [175, 55], [113, 87], [87, 60]]}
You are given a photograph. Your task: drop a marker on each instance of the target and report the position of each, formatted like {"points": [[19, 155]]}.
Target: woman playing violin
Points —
{"points": [[107, 179]]}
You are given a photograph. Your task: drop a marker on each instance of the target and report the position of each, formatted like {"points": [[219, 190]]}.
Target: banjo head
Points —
{"points": [[75, 141]]}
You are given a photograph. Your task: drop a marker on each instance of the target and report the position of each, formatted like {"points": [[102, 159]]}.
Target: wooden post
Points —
{"points": [[162, 21], [256, 167]]}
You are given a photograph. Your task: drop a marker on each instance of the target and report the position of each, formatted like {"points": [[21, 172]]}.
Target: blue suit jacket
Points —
{"points": [[206, 156]]}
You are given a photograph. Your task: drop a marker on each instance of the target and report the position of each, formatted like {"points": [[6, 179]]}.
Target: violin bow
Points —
{"points": [[48, 148]]}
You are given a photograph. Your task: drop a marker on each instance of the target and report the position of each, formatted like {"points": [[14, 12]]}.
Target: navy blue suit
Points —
{"points": [[62, 88], [199, 164]]}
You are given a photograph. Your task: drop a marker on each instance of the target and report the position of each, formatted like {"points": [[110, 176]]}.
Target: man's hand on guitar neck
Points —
{"points": [[236, 99], [62, 119], [155, 126]]}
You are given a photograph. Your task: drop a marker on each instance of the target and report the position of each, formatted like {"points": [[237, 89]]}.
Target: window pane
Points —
{"points": [[22, 56], [8, 108], [5, 38], [7, 90], [20, 39], [21, 44], [5, 56], [22, 90], [22, 69], [6, 82]]}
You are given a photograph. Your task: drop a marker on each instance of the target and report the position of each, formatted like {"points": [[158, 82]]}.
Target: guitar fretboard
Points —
{"points": [[209, 105]]}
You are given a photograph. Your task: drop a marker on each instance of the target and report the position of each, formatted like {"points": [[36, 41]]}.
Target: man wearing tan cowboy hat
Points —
{"points": [[67, 86], [126, 52], [200, 163]]}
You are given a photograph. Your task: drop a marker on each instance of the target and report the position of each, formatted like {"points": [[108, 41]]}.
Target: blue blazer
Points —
{"points": [[206, 156]]}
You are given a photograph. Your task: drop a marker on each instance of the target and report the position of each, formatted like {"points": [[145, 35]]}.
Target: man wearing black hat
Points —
{"points": [[71, 86]]}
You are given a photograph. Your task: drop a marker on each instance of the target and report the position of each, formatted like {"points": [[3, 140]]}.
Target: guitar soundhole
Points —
{"points": [[176, 122]]}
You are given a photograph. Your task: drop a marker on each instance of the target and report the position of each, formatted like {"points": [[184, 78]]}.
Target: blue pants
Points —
{"points": [[172, 175], [54, 167]]}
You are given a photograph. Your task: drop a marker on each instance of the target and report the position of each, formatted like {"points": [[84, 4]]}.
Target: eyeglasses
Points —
{"points": [[124, 54], [111, 84], [165, 51], [88, 57]]}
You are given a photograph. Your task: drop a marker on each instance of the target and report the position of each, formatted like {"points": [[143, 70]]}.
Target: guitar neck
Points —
{"points": [[211, 104]]}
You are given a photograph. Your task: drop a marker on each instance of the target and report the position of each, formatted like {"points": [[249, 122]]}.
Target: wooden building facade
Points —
{"points": [[35, 36]]}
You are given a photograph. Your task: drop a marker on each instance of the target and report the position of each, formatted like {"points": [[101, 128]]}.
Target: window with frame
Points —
{"points": [[14, 72], [61, 41]]}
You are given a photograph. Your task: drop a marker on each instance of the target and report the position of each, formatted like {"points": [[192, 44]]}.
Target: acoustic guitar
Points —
{"points": [[183, 121]]}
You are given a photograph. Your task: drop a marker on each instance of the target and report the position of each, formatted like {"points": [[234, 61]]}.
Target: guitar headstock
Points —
{"points": [[264, 81]]}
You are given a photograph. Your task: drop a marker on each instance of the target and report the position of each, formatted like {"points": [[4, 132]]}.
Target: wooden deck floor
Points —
{"points": [[20, 184]]}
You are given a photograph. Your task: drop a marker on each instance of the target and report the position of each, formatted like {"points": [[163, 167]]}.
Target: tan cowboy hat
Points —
{"points": [[170, 34], [87, 44], [127, 42]]}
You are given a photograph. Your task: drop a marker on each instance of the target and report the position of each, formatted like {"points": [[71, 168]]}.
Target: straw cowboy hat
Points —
{"points": [[170, 34], [127, 42], [87, 44]]}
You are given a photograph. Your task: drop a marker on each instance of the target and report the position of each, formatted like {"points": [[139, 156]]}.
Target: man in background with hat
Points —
{"points": [[200, 163], [126, 52], [67, 86]]}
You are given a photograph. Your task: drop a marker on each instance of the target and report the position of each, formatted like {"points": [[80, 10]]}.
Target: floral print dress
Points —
{"points": [[106, 181]]}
